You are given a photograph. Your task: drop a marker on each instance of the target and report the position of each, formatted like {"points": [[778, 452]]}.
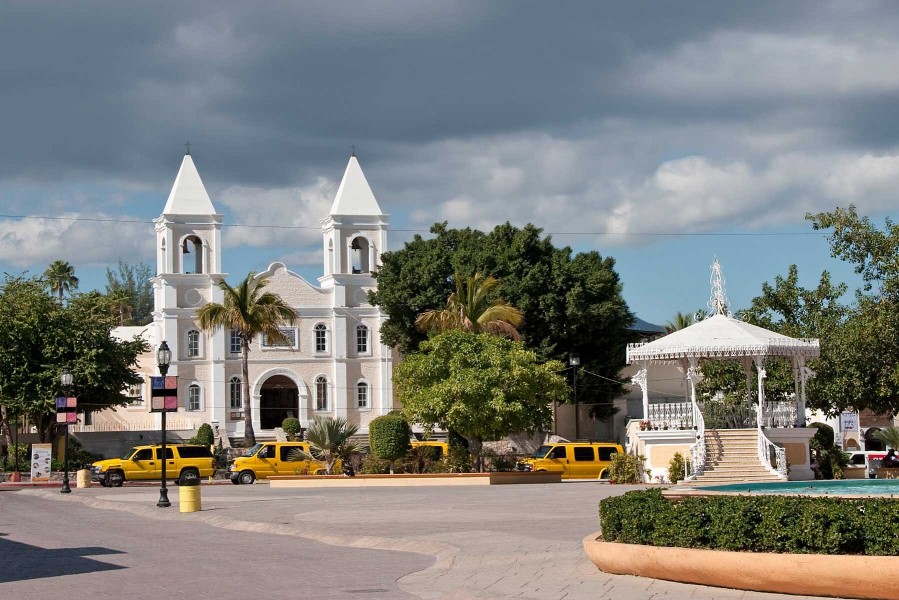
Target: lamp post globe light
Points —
{"points": [[574, 361], [163, 360], [66, 379]]}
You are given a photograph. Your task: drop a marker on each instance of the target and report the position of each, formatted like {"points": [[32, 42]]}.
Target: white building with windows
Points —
{"points": [[334, 363]]}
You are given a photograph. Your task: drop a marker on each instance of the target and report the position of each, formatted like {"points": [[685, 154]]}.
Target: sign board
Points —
{"points": [[66, 410], [40, 462], [164, 394], [848, 421]]}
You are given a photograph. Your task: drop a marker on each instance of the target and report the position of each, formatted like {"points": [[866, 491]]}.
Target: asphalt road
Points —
{"points": [[458, 543]]}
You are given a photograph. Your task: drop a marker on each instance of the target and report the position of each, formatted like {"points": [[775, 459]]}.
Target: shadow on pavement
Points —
{"points": [[22, 562]]}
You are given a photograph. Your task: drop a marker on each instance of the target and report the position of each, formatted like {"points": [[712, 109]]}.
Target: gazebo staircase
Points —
{"points": [[732, 457]]}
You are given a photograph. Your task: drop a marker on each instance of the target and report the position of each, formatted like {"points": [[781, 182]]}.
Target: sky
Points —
{"points": [[662, 134]]}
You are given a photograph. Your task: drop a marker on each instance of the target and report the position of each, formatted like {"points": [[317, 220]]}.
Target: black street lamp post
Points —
{"points": [[66, 379], [163, 359], [574, 361]]}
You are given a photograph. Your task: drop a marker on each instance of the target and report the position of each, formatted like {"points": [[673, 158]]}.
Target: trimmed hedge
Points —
{"points": [[793, 524]]}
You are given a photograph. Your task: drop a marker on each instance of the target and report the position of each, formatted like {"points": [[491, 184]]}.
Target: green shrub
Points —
{"points": [[626, 468], [794, 524], [204, 436], [389, 437], [8, 462], [291, 426], [372, 465], [677, 467]]}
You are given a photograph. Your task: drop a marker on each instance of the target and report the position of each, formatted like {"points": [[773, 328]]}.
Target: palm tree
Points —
{"points": [[60, 277], [889, 436], [680, 321], [248, 311], [329, 441], [469, 308]]}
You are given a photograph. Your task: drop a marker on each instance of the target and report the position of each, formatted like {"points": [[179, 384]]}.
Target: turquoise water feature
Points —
{"points": [[842, 487]]}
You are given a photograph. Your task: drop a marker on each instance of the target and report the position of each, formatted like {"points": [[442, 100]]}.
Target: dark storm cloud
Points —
{"points": [[271, 93]]}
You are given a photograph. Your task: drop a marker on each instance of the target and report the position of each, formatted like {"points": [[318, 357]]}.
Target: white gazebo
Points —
{"points": [[668, 426]]}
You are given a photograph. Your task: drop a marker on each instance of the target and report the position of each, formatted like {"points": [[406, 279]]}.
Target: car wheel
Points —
{"points": [[188, 477], [235, 481], [246, 477], [115, 479], [603, 474], [103, 483]]}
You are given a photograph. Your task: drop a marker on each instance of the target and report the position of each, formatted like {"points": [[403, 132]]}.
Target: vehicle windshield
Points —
{"points": [[541, 452], [128, 453], [252, 451]]}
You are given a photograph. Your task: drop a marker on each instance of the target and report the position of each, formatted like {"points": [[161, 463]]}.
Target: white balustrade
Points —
{"points": [[780, 413], [670, 415]]}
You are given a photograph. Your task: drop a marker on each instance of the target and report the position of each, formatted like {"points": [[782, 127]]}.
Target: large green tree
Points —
{"points": [[40, 336], [60, 278], [571, 302], [249, 311], [131, 288], [481, 386]]}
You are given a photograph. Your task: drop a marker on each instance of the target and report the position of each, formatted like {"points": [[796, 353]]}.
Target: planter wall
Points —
{"points": [[802, 574], [408, 479]]}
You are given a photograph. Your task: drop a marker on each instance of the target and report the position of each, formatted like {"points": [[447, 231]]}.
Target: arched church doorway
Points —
{"points": [[278, 400]]}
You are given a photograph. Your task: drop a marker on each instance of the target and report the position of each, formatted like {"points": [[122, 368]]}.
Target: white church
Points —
{"points": [[335, 363]]}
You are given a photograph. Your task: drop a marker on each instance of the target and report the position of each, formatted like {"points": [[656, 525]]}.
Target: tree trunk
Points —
{"points": [[5, 426], [249, 436], [475, 445]]}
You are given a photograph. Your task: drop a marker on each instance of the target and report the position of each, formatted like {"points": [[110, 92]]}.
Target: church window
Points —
{"points": [[288, 332], [234, 343], [193, 343], [236, 389], [321, 338], [193, 397], [362, 395], [321, 393], [361, 339], [359, 255]]}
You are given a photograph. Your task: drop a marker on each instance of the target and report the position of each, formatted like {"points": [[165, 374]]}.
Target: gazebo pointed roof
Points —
{"points": [[721, 336]]}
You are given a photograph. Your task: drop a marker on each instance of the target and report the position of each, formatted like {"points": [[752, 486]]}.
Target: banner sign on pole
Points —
{"points": [[164, 394], [40, 462], [66, 410], [849, 421]]}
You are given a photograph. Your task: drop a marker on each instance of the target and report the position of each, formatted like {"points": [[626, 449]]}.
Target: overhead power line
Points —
{"points": [[590, 233]]}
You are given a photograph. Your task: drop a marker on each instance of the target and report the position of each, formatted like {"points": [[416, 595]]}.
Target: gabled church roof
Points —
{"points": [[354, 196], [188, 195]]}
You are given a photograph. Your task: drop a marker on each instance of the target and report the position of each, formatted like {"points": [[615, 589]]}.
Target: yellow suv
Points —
{"points": [[440, 448], [275, 458], [574, 460], [185, 463]]}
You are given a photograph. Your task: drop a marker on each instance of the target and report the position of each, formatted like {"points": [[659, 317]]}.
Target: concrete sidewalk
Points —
{"points": [[486, 542]]}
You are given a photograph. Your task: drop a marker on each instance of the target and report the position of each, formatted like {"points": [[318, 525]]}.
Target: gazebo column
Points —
{"points": [[694, 375], [641, 379], [804, 375], [760, 367]]}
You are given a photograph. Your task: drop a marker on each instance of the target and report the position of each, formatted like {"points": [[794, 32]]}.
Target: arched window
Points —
{"points": [[235, 389], [193, 343], [362, 395], [361, 339], [193, 397], [321, 338], [359, 254], [192, 245], [321, 393]]}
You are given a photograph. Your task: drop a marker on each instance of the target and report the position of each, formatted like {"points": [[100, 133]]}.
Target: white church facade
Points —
{"points": [[335, 364]]}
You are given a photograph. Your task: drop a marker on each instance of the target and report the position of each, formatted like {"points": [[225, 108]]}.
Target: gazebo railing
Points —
{"points": [[780, 413], [772, 456], [670, 415]]}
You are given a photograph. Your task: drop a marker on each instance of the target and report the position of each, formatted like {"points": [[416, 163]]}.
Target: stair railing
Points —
{"points": [[697, 450], [772, 456]]}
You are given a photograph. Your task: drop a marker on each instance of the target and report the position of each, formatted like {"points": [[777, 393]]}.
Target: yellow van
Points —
{"points": [[574, 460], [275, 458], [440, 448], [141, 463]]}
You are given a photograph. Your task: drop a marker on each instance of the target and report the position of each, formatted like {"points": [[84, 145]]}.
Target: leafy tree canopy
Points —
{"points": [[481, 386], [133, 292], [571, 302], [39, 336]]}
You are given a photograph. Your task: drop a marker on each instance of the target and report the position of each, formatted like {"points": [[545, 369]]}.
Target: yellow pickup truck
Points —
{"points": [[275, 458], [184, 463]]}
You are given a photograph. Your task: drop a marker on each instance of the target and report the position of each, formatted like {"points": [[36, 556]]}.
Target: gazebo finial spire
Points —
{"points": [[718, 303]]}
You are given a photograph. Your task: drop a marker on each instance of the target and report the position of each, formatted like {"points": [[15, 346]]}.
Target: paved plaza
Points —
{"points": [[516, 541]]}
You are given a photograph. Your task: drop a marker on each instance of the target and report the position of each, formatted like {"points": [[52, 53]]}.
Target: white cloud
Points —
{"points": [[281, 216]]}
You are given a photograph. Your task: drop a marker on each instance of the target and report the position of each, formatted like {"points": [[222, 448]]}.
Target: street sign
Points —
{"points": [[849, 421], [164, 394], [66, 410]]}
